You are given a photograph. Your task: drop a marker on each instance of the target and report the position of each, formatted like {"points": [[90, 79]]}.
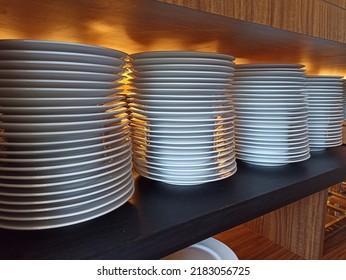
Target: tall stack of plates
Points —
{"points": [[344, 98], [65, 152], [326, 113], [271, 114], [182, 117]]}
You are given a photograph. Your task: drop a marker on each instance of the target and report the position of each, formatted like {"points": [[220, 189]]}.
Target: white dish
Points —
{"points": [[197, 101], [180, 92], [181, 60], [65, 175], [184, 67], [71, 109], [66, 144], [79, 183], [54, 223], [72, 202], [61, 118], [31, 83], [22, 156], [41, 197], [63, 66], [46, 45], [201, 73], [181, 85], [57, 56], [10, 92], [141, 98], [181, 79], [60, 75], [209, 249], [62, 135], [59, 126], [66, 212], [182, 54], [272, 65]]}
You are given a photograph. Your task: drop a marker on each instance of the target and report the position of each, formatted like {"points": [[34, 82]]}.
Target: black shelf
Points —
{"points": [[161, 218]]}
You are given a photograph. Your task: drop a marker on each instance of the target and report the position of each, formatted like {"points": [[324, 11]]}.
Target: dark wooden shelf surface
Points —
{"points": [[161, 218]]}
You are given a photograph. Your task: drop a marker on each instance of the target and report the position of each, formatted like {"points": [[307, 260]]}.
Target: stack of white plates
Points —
{"points": [[326, 113], [65, 152], [182, 117], [271, 114], [344, 98], [208, 249]]}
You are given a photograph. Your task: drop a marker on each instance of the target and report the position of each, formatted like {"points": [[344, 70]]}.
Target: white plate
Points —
{"points": [[63, 135], [272, 162], [265, 66], [79, 183], [177, 54], [66, 212], [68, 201], [237, 83], [61, 118], [52, 161], [46, 45], [182, 80], [198, 114], [73, 109], [140, 98], [59, 126], [181, 85], [276, 76], [55, 92], [31, 83], [41, 198], [180, 92], [54, 223], [39, 55], [270, 72], [182, 60], [74, 101], [62, 144], [66, 175], [209, 249], [182, 74], [62, 66], [196, 180], [22, 157], [184, 67], [53, 75]]}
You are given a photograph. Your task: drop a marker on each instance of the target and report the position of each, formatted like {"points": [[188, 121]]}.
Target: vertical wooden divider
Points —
{"points": [[298, 226]]}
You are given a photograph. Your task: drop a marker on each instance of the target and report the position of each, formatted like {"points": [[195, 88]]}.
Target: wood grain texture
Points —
{"points": [[298, 226], [323, 19], [148, 25], [335, 246], [249, 245]]}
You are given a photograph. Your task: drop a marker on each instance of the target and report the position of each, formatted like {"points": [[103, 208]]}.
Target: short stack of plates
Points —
{"points": [[271, 114], [326, 113], [65, 152], [182, 117]]}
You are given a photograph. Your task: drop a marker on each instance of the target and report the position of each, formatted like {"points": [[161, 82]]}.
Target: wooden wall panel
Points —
{"points": [[298, 226], [311, 17]]}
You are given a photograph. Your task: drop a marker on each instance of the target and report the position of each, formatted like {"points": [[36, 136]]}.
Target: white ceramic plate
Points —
{"points": [[62, 66], [46, 45], [181, 85], [209, 249], [53, 75], [11, 92], [31, 83], [54, 223], [182, 80], [61, 118], [182, 60], [177, 54], [182, 74], [59, 126], [62, 135], [184, 67]]}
